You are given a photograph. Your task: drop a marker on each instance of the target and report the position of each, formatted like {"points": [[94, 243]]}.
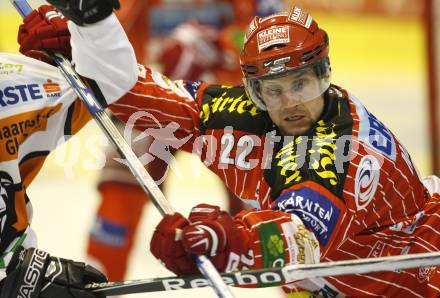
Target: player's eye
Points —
{"points": [[273, 92]]}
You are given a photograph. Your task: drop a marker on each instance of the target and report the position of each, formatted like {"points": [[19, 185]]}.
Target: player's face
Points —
{"points": [[288, 105]]}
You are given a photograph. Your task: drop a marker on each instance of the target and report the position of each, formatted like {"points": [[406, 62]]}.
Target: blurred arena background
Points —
{"points": [[378, 52]]}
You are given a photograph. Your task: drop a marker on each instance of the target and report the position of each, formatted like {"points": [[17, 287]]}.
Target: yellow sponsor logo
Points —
{"points": [[301, 237], [287, 160], [229, 104], [9, 68], [275, 245], [322, 154]]}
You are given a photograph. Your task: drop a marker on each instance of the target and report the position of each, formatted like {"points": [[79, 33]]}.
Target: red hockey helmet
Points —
{"points": [[281, 44]]}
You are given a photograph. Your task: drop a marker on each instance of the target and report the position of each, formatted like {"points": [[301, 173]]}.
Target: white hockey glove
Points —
{"points": [[34, 273], [83, 12]]}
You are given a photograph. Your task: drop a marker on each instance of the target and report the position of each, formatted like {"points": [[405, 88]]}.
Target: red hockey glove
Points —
{"points": [[44, 29], [212, 232], [166, 246]]}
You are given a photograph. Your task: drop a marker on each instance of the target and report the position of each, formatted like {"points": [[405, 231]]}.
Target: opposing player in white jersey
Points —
{"points": [[38, 110]]}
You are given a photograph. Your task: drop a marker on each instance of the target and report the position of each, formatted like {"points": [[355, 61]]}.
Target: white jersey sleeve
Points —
{"points": [[102, 52]]}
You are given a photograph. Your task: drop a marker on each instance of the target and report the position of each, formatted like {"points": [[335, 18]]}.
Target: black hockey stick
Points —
{"points": [[268, 277], [104, 122]]}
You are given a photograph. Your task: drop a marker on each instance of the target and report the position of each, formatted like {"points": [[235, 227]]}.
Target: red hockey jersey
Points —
{"points": [[348, 179]]}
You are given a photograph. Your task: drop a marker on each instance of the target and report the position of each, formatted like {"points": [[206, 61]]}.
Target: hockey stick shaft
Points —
{"points": [[274, 276], [136, 167]]}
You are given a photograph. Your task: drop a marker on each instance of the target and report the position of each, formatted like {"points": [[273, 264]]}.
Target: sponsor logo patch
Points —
{"points": [[318, 213], [52, 89], [291, 159], [289, 231], [252, 27], [373, 133], [11, 95], [272, 36], [228, 103], [16, 129], [300, 17], [280, 61], [10, 68], [322, 153], [366, 181], [272, 248]]}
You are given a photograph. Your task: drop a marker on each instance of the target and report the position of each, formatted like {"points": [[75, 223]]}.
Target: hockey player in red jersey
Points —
{"points": [[327, 180], [200, 45], [39, 110]]}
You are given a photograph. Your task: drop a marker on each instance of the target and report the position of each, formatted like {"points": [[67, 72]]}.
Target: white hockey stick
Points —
{"points": [[272, 276], [104, 122]]}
